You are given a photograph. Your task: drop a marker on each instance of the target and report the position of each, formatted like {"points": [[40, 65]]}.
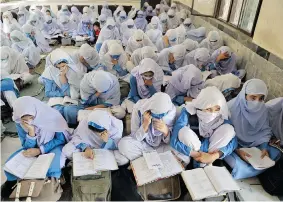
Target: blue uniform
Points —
{"points": [[133, 94], [110, 144], [54, 146], [184, 120], [7, 84]]}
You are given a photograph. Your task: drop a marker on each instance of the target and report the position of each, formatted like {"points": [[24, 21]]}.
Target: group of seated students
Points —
{"points": [[125, 72]]}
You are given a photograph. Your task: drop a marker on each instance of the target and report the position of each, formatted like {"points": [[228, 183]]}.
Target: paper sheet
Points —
{"points": [[171, 166], [40, 166], [81, 165], [19, 165], [152, 160], [104, 160]]}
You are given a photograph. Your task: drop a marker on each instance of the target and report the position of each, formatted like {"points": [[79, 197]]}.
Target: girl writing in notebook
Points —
{"points": [[151, 128], [216, 137], [100, 130], [41, 130], [249, 116]]}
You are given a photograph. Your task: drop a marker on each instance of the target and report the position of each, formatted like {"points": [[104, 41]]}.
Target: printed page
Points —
{"points": [[221, 179], [19, 165], [83, 114], [104, 160], [171, 166], [39, 168], [153, 160], [81, 165], [142, 174], [55, 101], [256, 161], [198, 184], [68, 100]]}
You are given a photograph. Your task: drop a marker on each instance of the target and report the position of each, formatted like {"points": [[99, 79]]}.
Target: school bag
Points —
{"points": [[92, 187]]}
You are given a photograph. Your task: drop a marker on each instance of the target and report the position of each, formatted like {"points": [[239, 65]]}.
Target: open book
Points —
{"points": [[84, 113], [256, 161], [143, 175], [62, 101], [209, 182], [81, 38], [103, 160], [29, 167]]}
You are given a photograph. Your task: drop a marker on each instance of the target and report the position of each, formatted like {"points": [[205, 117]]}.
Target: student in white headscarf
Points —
{"points": [[94, 13], [275, 111], [85, 28], [76, 15], [9, 90], [171, 59], [117, 12], [127, 29], [138, 40], [185, 84], [108, 32], [174, 7], [37, 38], [8, 21], [63, 11], [212, 42], [132, 13], [218, 135], [173, 21], [190, 45], [184, 28], [142, 53], [105, 47], [102, 20], [140, 21], [4, 40], [115, 61], [250, 118], [157, 11], [168, 40], [23, 15], [14, 64], [67, 26], [154, 31], [34, 21], [48, 12], [99, 130], [151, 128], [155, 24], [50, 27], [106, 11], [199, 57], [121, 19], [100, 89], [196, 34], [146, 80], [26, 47], [182, 16], [164, 19]]}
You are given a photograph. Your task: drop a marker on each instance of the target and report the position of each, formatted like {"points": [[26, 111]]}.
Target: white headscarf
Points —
{"points": [[155, 24], [148, 65], [190, 45], [36, 21], [73, 75], [132, 13], [4, 40], [212, 42], [105, 47], [106, 11], [172, 22], [197, 57], [47, 121], [101, 81], [89, 54], [107, 34], [8, 22], [127, 32], [12, 61], [207, 98], [133, 44], [224, 82], [66, 25], [23, 15], [142, 53]]}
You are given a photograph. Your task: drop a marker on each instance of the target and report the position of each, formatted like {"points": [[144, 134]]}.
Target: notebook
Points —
{"points": [[84, 113], [62, 101], [29, 167], [144, 175], [103, 160], [209, 182], [256, 161]]}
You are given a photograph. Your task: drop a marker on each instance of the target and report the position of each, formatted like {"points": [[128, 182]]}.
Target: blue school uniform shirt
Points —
{"points": [[7, 84], [52, 90]]}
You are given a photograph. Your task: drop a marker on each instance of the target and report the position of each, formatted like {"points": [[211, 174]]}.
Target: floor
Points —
{"points": [[251, 190]]}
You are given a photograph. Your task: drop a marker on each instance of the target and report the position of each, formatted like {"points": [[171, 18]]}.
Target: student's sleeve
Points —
{"points": [[152, 90], [110, 144], [229, 148], [52, 90], [137, 130], [263, 145], [133, 95], [26, 140], [59, 139], [120, 70], [179, 100], [182, 121], [82, 147]]}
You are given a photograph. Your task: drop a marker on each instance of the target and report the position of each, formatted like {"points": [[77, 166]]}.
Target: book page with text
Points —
{"points": [[171, 166], [104, 160], [82, 165], [153, 160]]}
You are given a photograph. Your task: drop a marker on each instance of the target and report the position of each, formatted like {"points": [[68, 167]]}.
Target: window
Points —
{"points": [[241, 14]]}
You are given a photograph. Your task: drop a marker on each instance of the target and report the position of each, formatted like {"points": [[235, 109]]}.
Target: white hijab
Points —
{"points": [[8, 22], [212, 42], [142, 53]]}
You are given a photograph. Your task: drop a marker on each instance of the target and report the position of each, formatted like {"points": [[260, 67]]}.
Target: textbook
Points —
{"points": [[84, 113], [209, 181], [143, 175], [62, 101], [256, 161], [29, 167], [103, 160]]}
